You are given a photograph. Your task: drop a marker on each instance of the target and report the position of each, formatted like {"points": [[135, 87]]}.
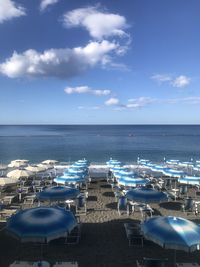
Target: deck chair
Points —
{"points": [[133, 234], [74, 236], [122, 205], [183, 189], [81, 208], [188, 205], [151, 262]]}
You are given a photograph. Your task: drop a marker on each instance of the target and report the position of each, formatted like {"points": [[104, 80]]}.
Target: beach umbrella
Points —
{"points": [[173, 173], [78, 167], [58, 193], [17, 164], [45, 166], [192, 180], [172, 233], [158, 168], [20, 160], [173, 161], [49, 161], [7, 181], [196, 167], [41, 224], [35, 169], [71, 179], [75, 171], [146, 195], [132, 181], [18, 174], [83, 161]]}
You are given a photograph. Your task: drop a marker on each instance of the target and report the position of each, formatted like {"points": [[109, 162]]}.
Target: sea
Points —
{"points": [[97, 143]]}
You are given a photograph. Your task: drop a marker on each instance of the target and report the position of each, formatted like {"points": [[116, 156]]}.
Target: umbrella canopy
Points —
{"points": [[173, 161], [172, 232], [45, 166], [7, 181], [18, 174], [132, 181], [173, 173], [73, 179], [146, 195], [57, 193], [75, 171], [41, 224], [17, 164], [49, 161], [35, 169], [193, 180]]}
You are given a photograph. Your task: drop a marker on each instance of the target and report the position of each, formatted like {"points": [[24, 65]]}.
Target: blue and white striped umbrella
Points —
{"points": [[158, 168], [172, 233], [75, 171], [132, 181], [123, 173], [146, 195], [41, 224], [118, 168], [193, 180], [58, 193], [173, 161], [70, 179], [83, 161], [173, 173], [113, 162], [196, 168], [78, 167]]}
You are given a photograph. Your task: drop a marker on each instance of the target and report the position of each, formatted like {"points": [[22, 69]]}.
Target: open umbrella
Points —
{"points": [[18, 174], [192, 180], [172, 233], [132, 181], [58, 193], [49, 161], [41, 224], [146, 195]]}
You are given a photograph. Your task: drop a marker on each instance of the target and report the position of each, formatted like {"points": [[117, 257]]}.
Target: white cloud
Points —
{"points": [[89, 107], [112, 101], [139, 102], [98, 23], [161, 78], [191, 100], [181, 81], [86, 90], [45, 3], [61, 63], [9, 10]]}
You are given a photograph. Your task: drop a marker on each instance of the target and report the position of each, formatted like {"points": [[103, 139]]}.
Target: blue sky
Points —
{"points": [[99, 62]]}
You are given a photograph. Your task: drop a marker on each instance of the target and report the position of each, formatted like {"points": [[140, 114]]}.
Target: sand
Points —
{"points": [[103, 239]]}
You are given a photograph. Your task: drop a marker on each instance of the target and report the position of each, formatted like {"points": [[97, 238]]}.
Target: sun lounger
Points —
{"points": [[187, 264], [7, 200], [133, 233], [151, 262], [74, 237], [66, 264]]}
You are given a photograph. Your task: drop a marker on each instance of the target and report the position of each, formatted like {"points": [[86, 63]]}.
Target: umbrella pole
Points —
{"points": [[175, 258]]}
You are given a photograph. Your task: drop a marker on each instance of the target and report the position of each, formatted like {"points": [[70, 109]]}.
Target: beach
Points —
{"points": [[103, 238]]}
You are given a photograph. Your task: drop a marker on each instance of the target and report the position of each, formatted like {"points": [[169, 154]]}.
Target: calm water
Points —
{"points": [[98, 143]]}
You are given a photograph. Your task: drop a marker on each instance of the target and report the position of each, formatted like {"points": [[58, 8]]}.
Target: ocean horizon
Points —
{"points": [[97, 143]]}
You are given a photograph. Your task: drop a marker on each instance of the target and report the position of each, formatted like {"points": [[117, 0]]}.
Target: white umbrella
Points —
{"points": [[49, 161], [45, 166], [17, 174], [17, 164], [35, 169], [7, 181], [20, 160]]}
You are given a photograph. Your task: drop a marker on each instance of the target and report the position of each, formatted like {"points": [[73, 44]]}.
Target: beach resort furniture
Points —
{"points": [[30, 264], [187, 264], [151, 262], [81, 207], [29, 200], [74, 236], [133, 234], [6, 213], [189, 205], [122, 205], [7, 200], [66, 264]]}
